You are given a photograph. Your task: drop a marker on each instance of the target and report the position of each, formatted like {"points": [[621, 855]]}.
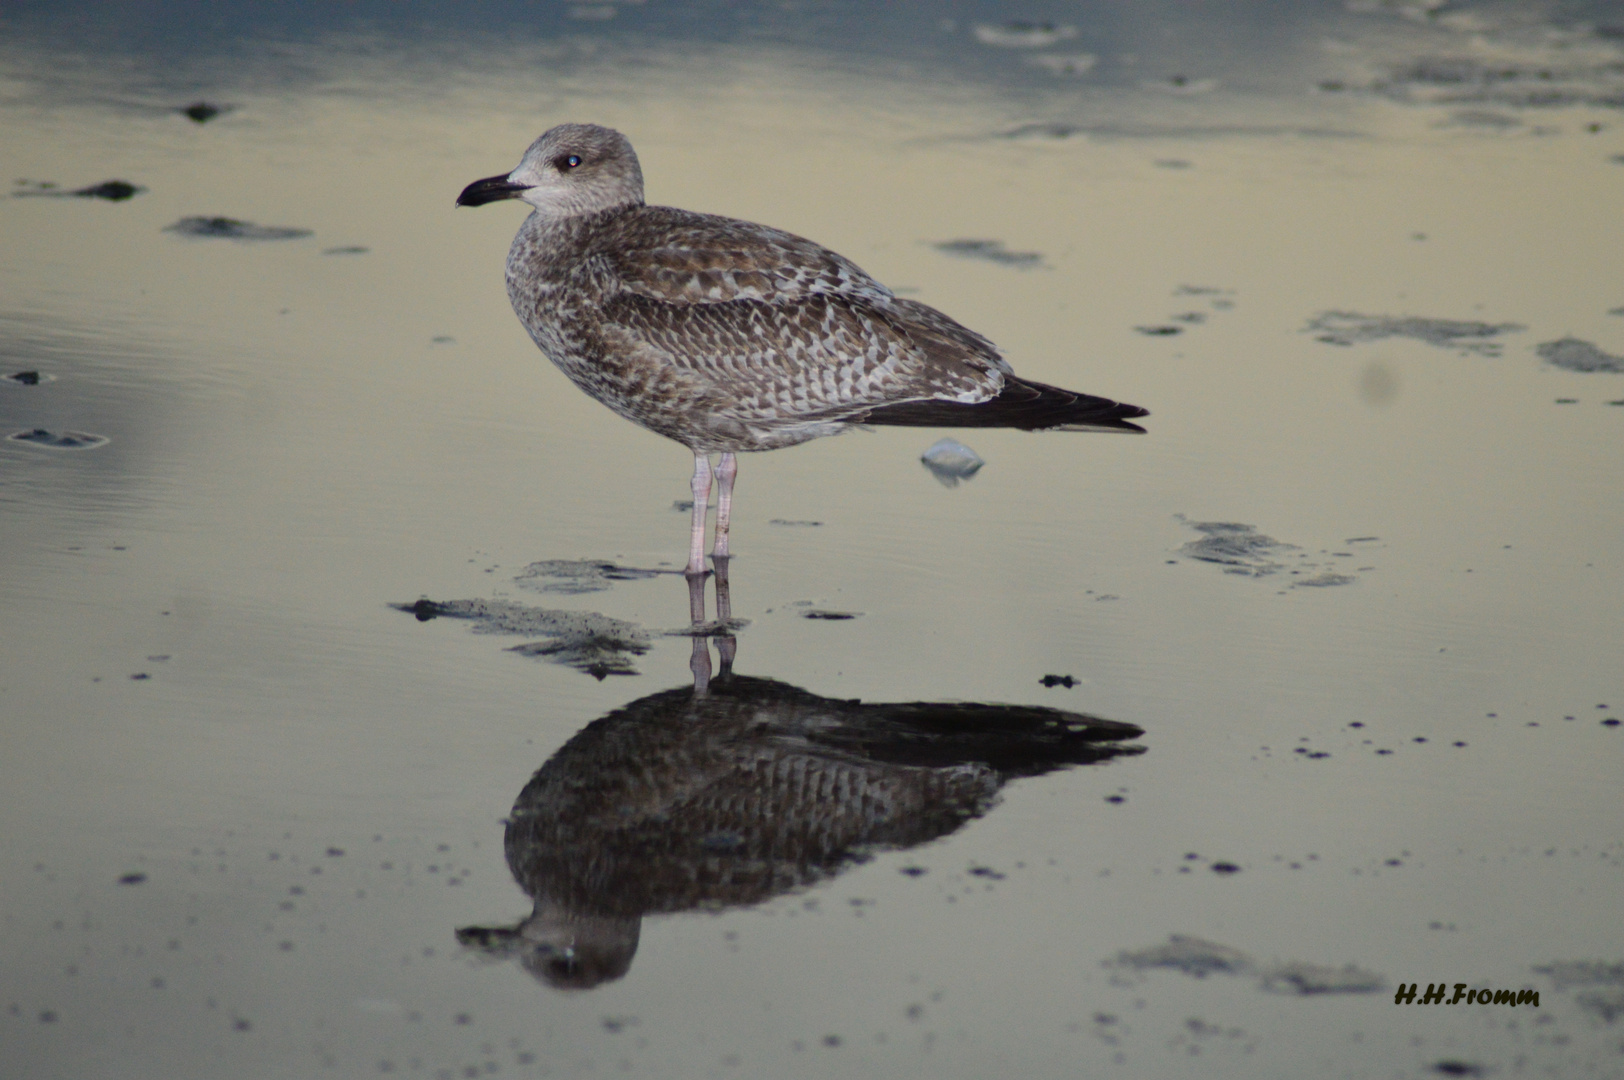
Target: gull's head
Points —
{"points": [[573, 169]]}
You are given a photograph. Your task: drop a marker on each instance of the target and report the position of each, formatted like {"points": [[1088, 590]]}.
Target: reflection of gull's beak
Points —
{"points": [[491, 189]]}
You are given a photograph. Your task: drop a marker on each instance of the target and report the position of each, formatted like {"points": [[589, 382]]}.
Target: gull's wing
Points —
{"points": [[790, 329], [680, 257]]}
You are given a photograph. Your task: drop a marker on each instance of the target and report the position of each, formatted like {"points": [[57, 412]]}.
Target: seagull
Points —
{"points": [[728, 336], [729, 796]]}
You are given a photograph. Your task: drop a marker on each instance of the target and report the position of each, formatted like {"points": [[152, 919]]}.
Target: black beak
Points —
{"points": [[491, 189]]}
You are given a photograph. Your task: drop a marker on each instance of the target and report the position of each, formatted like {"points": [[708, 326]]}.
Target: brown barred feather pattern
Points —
{"points": [[729, 336]]}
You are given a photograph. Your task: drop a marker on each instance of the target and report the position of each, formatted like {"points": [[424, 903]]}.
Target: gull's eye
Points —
{"points": [[569, 162]]}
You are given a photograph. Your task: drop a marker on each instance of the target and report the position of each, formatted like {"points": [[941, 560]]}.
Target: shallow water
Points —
{"points": [[1361, 595]]}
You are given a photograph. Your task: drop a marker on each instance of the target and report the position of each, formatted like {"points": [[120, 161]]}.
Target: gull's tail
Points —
{"points": [[1029, 406]]}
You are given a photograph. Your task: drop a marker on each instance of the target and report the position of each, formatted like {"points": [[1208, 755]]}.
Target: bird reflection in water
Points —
{"points": [[738, 789]]}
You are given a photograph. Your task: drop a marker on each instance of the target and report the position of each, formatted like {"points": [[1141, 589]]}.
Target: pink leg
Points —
{"points": [[701, 488], [727, 645], [726, 470], [700, 662]]}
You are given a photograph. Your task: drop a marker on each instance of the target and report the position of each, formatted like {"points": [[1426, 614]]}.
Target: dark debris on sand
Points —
{"points": [[1200, 958], [110, 190], [59, 440], [225, 228], [575, 576], [201, 112], [1572, 354], [585, 640], [1351, 328], [992, 251], [1241, 549]]}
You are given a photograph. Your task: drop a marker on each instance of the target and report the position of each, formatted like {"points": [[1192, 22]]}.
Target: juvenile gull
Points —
{"points": [[729, 336]]}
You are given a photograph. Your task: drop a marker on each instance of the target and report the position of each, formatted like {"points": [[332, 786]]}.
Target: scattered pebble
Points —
{"points": [[951, 461], [202, 111]]}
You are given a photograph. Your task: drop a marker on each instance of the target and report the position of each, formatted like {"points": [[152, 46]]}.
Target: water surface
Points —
{"points": [[1361, 595]]}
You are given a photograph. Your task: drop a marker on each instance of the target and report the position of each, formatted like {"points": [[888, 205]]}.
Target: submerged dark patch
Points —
{"points": [[1572, 354], [1530, 82], [1352, 328], [1200, 958], [201, 112], [59, 440], [992, 251], [111, 190], [224, 228], [1241, 549], [575, 576], [584, 640]]}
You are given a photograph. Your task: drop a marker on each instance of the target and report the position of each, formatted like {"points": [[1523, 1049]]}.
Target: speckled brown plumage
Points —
{"points": [[703, 800], [725, 335], [729, 336]]}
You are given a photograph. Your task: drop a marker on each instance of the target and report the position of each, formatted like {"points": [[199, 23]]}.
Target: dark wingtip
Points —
{"points": [[1022, 404], [1132, 412]]}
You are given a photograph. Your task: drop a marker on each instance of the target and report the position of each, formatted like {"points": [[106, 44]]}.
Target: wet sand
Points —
{"points": [[1358, 586]]}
